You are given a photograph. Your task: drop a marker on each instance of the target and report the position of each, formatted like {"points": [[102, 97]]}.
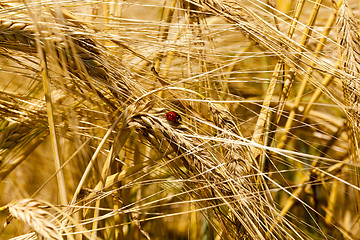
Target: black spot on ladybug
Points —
{"points": [[173, 116]]}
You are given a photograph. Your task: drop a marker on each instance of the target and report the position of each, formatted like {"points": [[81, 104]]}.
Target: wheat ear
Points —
{"points": [[33, 214]]}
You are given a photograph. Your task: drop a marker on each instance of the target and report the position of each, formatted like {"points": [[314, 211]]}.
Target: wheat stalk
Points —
{"points": [[33, 214], [74, 49], [218, 177], [350, 58], [116, 106]]}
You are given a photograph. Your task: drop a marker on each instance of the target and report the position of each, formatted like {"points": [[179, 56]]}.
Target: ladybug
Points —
{"points": [[173, 116]]}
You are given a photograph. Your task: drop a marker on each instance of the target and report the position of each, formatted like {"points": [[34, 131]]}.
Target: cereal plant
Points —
{"points": [[179, 119]]}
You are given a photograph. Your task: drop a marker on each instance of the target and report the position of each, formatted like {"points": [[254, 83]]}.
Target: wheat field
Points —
{"points": [[179, 119]]}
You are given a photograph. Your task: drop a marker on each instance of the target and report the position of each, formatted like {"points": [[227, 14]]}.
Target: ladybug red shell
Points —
{"points": [[173, 116]]}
